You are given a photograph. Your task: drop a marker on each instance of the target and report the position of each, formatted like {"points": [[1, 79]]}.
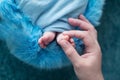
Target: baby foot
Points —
{"points": [[61, 36], [46, 39]]}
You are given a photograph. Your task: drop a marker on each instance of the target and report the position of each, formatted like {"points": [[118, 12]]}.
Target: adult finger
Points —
{"points": [[77, 34], [70, 52], [87, 38], [81, 24], [84, 24], [83, 18]]}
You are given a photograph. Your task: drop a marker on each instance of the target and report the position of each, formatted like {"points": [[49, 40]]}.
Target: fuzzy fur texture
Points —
{"points": [[21, 36]]}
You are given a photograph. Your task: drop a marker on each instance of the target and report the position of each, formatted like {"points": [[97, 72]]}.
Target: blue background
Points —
{"points": [[109, 39]]}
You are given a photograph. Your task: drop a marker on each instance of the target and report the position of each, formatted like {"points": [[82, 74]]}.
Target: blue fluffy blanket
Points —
{"points": [[21, 36]]}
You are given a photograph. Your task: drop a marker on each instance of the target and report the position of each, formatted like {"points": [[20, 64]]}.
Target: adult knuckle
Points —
{"points": [[92, 28], [86, 33], [69, 52], [77, 65], [81, 24]]}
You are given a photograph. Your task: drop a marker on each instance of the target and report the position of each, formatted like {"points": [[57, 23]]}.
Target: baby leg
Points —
{"points": [[46, 39]]}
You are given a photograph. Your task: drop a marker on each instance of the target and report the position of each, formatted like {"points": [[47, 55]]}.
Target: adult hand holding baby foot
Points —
{"points": [[88, 65], [65, 37]]}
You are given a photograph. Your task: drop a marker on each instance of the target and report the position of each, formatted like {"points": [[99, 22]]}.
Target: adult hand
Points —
{"points": [[88, 65]]}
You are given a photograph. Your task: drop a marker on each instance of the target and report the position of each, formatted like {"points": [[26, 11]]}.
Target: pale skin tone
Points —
{"points": [[49, 37], [88, 65], [46, 39]]}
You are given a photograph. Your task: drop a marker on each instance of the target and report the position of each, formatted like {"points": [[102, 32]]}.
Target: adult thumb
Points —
{"points": [[70, 51]]}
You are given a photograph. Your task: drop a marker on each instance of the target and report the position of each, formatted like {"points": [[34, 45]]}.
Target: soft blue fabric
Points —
{"points": [[21, 36], [52, 15]]}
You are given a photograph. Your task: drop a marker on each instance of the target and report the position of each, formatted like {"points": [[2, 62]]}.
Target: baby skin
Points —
{"points": [[50, 36]]}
